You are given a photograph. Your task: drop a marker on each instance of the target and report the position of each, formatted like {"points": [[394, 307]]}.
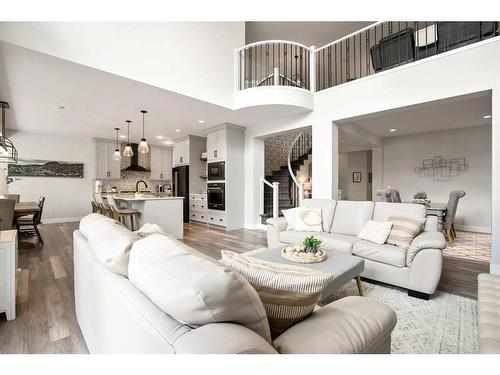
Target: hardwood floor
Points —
{"points": [[46, 321]]}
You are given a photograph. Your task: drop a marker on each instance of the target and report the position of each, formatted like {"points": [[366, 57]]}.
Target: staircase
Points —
{"points": [[288, 191]]}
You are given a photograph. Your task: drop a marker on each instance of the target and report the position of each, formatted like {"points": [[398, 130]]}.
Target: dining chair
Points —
{"points": [[395, 197], [121, 214], [30, 223], [7, 213], [384, 195], [449, 216], [15, 197]]}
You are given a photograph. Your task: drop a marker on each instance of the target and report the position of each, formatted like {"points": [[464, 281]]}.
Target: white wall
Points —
{"points": [[190, 58], [66, 199], [402, 154]]}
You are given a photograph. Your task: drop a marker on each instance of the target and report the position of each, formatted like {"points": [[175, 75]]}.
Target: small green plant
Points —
{"points": [[312, 244], [420, 195]]}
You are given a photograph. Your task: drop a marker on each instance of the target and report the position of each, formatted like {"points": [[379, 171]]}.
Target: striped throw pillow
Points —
{"points": [[287, 292], [404, 230]]}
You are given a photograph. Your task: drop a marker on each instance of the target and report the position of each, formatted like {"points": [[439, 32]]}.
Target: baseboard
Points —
{"points": [[61, 220], [471, 228], [495, 269]]}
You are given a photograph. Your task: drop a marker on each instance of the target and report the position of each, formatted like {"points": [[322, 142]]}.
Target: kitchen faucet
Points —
{"points": [[137, 185]]}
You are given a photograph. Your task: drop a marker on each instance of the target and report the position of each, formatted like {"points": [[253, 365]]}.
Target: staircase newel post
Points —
{"points": [[276, 197]]}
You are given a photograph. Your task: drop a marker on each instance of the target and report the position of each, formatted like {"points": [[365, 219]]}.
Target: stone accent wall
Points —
{"points": [[276, 150]]}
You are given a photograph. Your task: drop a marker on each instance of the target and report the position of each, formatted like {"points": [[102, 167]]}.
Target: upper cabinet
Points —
{"points": [[161, 163], [181, 153], [216, 145], [106, 166]]}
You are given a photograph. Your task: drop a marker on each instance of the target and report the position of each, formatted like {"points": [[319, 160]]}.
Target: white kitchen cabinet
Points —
{"points": [[161, 163], [181, 153], [216, 145], [106, 166], [8, 269]]}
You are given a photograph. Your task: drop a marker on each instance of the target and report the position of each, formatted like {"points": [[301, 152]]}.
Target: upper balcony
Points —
{"points": [[284, 72]]}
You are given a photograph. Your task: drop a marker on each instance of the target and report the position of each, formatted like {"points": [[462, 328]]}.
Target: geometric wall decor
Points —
{"points": [[45, 168], [441, 169]]}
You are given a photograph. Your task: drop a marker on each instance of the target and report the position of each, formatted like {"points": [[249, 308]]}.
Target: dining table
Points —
{"points": [[437, 209]]}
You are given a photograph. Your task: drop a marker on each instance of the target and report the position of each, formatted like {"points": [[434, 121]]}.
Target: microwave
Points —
{"points": [[216, 171]]}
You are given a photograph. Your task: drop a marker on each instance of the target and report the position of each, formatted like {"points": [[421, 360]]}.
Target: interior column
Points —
{"points": [[325, 175], [377, 170], [495, 181]]}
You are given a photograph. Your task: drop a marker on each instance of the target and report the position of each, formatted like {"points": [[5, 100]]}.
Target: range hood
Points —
{"points": [[137, 162]]}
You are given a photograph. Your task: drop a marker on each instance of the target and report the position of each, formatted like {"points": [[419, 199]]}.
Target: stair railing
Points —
{"points": [[276, 189], [299, 147]]}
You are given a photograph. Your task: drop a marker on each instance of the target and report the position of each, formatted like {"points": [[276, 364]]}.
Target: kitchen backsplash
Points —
{"points": [[128, 181]]}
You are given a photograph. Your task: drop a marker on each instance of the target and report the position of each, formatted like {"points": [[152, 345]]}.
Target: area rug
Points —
{"points": [[446, 324], [470, 245]]}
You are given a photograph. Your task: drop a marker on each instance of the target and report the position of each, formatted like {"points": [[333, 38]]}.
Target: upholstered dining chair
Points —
{"points": [[7, 213], [449, 217], [29, 224], [385, 195], [395, 197]]}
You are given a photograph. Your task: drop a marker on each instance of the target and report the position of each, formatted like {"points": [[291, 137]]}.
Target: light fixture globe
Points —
{"points": [[143, 146], [117, 156], [128, 152]]}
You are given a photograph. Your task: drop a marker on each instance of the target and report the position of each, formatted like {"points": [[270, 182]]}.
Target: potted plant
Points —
{"points": [[420, 198], [312, 244]]}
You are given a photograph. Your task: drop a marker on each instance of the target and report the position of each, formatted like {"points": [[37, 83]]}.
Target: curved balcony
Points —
{"points": [[274, 72]]}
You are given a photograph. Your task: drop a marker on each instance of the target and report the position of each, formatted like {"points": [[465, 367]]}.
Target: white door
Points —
{"points": [[101, 160], [166, 166], [156, 160], [212, 146], [114, 165]]}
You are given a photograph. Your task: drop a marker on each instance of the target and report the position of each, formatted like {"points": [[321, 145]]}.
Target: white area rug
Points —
{"points": [[446, 324]]}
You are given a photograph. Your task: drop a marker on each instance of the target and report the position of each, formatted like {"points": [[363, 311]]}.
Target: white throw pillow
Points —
{"points": [[376, 231], [290, 216], [309, 220], [149, 229]]}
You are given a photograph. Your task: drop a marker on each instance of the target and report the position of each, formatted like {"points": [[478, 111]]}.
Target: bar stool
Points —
{"points": [[103, 207], [121, 214]]}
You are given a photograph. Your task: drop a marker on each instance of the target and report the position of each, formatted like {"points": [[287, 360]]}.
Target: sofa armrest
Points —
{"points": [[222, 338], [351, 325], [274, 227], [431, 224], [425, 240]]}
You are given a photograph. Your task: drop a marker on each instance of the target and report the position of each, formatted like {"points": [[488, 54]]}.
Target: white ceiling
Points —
{"points": [[451, 113], [307, 33], [95, 102]]}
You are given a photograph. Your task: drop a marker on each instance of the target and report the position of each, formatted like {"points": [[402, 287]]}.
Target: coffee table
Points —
{"points": [[344, 267]]}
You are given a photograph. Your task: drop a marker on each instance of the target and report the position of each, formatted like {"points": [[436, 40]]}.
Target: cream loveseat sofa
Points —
{"points": [[124, 285], [417, 269]]}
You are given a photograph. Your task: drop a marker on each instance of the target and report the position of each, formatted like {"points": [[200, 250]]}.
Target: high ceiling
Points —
{"points": [[307, 33], [95, 102], [451, 113]]}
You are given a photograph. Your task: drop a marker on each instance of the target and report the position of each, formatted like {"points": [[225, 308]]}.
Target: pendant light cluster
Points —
{"points": [[128, 152]]}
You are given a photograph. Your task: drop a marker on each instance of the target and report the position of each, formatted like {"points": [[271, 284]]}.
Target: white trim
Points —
{"points": [[472, 228], [272, 41], [61, 220], [495, 269]]}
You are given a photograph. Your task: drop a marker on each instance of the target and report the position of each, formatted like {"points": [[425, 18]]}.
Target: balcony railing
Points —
{"points": [[378, 47], [273, 63]]}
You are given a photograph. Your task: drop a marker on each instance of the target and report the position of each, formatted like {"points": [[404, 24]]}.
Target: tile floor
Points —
{"points": [[470, 245]]}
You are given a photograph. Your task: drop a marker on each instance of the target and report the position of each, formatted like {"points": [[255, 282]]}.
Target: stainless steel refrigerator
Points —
{"points": [[180, 187]]}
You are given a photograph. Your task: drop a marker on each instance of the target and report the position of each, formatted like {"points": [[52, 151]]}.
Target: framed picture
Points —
{"points": [[356, 177]]}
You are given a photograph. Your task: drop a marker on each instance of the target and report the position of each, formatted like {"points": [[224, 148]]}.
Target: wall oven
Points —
{"points": [[216, 171], [216, 196]]}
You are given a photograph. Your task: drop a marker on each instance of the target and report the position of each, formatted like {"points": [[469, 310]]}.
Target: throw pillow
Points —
{"points": [[376, 231], [290, 216], [288, 293], [309, 220], [404, 230], [148, 229]]}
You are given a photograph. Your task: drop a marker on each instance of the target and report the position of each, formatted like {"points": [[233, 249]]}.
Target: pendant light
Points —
{"points": [[143, 146], [117, 156], [128, 152]]}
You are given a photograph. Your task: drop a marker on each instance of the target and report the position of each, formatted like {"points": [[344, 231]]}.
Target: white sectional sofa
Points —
{"points": [[124, 286], [417, 269]]}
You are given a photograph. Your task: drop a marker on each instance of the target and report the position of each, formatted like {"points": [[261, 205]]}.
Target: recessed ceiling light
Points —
{"points": [[57, 106], [201, 121], [392, 130], [178, 130], [159, 137], [168, 142], [487, 116], [123, 136]]}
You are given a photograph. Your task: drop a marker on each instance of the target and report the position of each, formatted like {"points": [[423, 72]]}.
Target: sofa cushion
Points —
{"points": [[388, 254], [383, 210], [327, 207], [339, 242], [309, 220], [290, 216], [289, 293], [351, 216], [376, 231], [404, 230], [110, 240], [194, 289]]}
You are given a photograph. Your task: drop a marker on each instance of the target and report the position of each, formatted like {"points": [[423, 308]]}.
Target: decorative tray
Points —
{"points": [[297, 254]]}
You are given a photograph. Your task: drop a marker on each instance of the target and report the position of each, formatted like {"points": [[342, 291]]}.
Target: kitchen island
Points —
{"points": [[165, 211]]}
